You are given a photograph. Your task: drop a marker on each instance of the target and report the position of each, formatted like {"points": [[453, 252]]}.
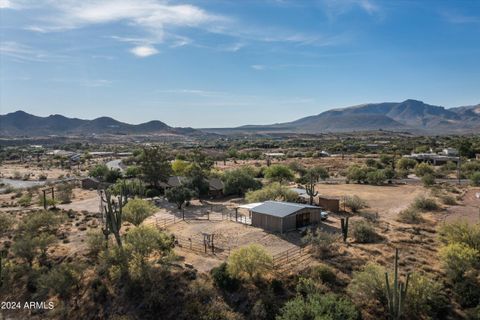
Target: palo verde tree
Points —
{"points": [[179, 195], [154, 166]]}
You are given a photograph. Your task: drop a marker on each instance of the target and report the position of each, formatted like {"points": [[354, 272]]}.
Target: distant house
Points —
{"points": [[90, 183], [276, 216], [215, 187], [450, 152]]}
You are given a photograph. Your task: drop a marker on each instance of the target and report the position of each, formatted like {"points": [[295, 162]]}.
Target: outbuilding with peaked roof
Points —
{"points": [[277, 216]]}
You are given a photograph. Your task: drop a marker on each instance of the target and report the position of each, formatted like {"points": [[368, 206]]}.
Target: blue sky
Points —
{"points": [[223, 63]]}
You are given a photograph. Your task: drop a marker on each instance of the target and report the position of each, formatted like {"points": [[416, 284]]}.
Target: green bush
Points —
{"points": [[457, 258], [376, 177], [363, 232], [96, 242], [239, 181], [368, 284], [448, 200], [406, 163], [316, 306], [355, 203], [428, 180], [410, 215], [356, 173], [250, 262], [475, 179], [25, 200], [425, 204], [279, 173], [323, 273], [423, 169], [426, 297], [461, 232], [322, 242], [223, 279], [6, 223], [137, 210], [273, 191]]}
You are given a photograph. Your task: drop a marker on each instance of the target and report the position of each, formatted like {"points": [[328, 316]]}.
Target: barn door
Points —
{"points": [[303, 219]]}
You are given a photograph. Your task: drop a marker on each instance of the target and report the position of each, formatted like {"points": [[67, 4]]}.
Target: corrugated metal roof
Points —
{"points": [[281, 209], [250, 206]]}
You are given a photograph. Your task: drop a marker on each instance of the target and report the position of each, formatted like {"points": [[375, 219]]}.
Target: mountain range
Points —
{"points": [[408, 116], [20, 123]]}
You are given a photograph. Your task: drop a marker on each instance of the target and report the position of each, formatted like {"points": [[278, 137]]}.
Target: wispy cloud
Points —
{"points": [[144, 51], [335, 8], [459, 18], [196, 92], [21, 52], [162, 22], [258, 67], [6, 4], [94, 83]]}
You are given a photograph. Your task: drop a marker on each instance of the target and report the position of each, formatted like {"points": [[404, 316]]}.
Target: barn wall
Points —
{"points": [[270, 223]]}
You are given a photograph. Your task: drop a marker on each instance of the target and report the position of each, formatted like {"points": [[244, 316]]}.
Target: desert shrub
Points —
{"points": [[368, 284], [42, 177], [410, 215], [400, 173], [223, 279], [428, 180], [273, 191], [129, 188], [406, 163], [309, 286], [461, 232], [50, 202], [62, 280], [475, 178], [25, 248], [425, 297], [145, 240], [316, 306], [279, 173], [376, 177], [6, 223], [356, 173], [448, 200], [389, 173], [363, 232], [112, 175], [239, 181], [425, 204], [468, 289], [40, 221], [423, 169], [457, 258], [323, 273], [64, 193], [355, 203], [137, 210], [151, 193], [95, 242], [17, 175], [322, 242], [25, 200], [249, 262], [99, 171]]}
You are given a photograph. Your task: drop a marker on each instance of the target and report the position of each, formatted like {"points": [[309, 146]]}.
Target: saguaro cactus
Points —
{"points": [[344, 225], [113, 216], [396, 295], [310, 188]]}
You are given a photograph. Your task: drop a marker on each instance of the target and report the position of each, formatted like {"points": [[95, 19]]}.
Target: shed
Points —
{"points": [[328, 203], [215, 187], [277, 216], [90, 183]]}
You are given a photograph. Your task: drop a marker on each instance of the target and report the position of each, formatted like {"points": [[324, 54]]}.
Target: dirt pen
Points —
{"points": [[211, 232]]}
